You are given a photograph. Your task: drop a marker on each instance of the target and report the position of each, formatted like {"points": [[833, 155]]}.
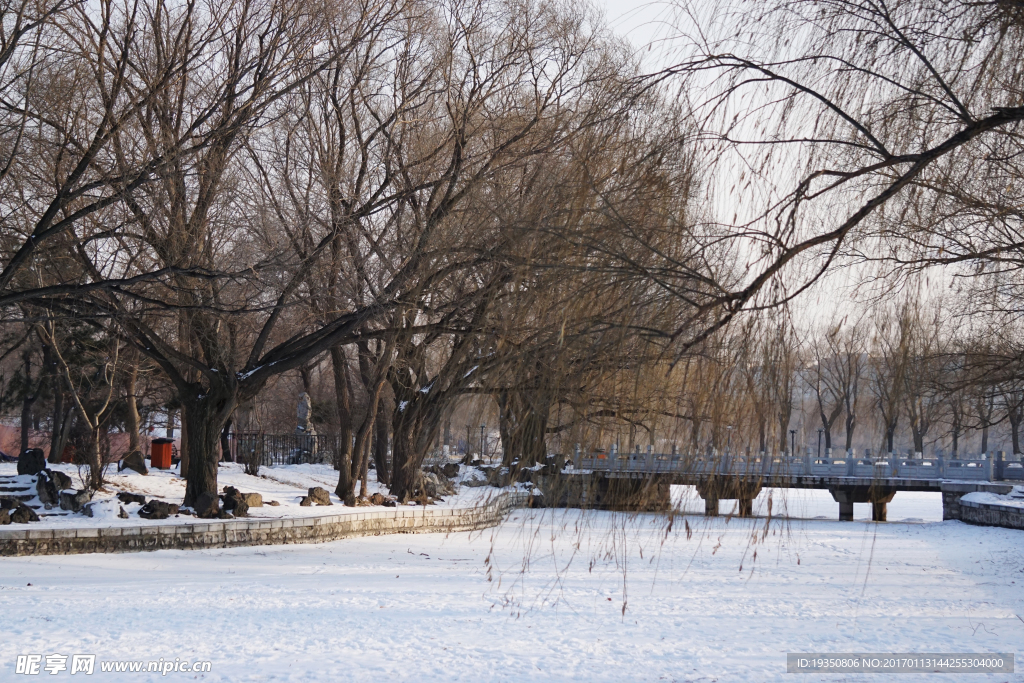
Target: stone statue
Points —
{"points": [[305, 411]]}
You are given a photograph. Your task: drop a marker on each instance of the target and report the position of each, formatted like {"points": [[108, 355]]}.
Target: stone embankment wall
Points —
{"points": [[245, 532], [982, 514]]}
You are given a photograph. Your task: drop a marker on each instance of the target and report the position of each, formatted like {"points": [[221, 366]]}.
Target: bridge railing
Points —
{"points": [[885, 466]]}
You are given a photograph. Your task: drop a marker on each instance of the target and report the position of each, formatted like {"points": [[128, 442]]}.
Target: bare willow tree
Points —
{"points": [[780, 91]]}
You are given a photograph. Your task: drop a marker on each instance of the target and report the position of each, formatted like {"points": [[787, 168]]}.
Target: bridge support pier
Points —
{"points": [[714, 489], [710, 506], [845, 512], [648, 494], [878, 496]]}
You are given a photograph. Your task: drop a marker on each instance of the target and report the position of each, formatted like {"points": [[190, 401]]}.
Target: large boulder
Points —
{"points": [[436, 486], [379, 499], [253, 500], [60, 480], [8, 503], [24, 514], [158, 509], [207, 506], [5, 518], [31, 461], [126, 497], [133, 461], [74, 501], [319, 496], [238, 502], [241, 508], [46, 489]]}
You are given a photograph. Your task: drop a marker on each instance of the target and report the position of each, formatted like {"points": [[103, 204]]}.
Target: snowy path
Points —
{"points": [[421, 608]]}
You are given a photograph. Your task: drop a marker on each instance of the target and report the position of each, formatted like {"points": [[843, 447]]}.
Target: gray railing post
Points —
{"points": [[851, 458], [997, 465]]}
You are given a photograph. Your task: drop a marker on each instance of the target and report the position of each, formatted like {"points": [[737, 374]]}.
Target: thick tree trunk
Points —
{"points": [[523, 422], [405, 473], [203, 419], [851, 423]]}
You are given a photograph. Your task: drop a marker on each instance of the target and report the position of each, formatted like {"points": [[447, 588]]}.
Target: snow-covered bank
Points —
{"points": [[284, 484], [550, 595], [1014, 499]]}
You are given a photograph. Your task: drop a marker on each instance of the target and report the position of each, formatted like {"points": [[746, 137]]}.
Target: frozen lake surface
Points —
{"points": [[548, 596]]}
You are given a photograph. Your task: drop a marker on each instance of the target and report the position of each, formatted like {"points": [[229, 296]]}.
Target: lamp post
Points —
{"points": [[483, 444], [820, 430], [728, 438], [792, 442]]}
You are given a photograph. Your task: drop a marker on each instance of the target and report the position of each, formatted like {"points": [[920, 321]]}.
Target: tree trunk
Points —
{"points": [[343, 459], [203, 418], [132, 417], [183, 468], [380, 442], [27, 400], [405, 472], [225, 442], [94, 459], [1015, 432], [827, 428], [523, 421], [59, 433], [851, 423], [783, 433]]}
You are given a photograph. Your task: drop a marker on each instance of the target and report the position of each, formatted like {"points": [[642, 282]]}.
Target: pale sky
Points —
{"points": [[645, 24]]}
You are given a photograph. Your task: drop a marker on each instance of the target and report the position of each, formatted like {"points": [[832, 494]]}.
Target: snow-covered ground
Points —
{"points": [[285, 484], [548, 596], [1014, 499]]}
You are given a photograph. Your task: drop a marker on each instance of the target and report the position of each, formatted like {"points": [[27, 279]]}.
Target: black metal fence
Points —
{"points": [[284, 449]]}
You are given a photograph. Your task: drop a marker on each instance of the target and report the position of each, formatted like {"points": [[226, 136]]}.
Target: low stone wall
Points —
{"points": [[245, 532], [982, 514]]}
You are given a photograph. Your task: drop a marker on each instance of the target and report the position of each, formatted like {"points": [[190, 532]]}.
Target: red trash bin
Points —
{"points": [[160, 454]]}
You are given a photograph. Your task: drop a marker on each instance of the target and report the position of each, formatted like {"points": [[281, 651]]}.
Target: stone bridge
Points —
{"points": [[641, 480]]}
